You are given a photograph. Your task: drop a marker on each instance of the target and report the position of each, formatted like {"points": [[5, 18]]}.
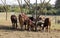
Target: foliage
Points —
{"points": [[57, 4], [47, 9], [1, 9], [51, 12], [58, 11]]}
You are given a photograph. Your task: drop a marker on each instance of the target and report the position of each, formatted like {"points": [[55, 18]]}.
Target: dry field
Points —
{"points": [[7, 32]]}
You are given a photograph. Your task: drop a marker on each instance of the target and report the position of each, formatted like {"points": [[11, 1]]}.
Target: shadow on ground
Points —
{"points": [[9, 28], [4, 27]]}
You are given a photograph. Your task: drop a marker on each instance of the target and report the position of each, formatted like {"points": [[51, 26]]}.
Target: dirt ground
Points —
{"points": [[8, 33]]}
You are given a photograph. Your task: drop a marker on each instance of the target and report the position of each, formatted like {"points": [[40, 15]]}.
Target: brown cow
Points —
{"points": [[21, 21], [14, 21], [24, 20], [31, 24], [47, 24]]}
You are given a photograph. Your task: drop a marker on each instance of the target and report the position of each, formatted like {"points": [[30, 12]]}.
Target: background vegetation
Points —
{"points": [[42, 8]]}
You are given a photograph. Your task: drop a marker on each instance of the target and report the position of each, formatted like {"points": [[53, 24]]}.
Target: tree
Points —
{"points": [[44, 6], [1, 8], [4, 3], [20, 5], [51, 12], [58, 11], [57, 4]]}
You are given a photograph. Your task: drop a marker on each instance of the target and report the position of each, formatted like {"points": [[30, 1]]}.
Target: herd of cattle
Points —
{"points": [[30, 23]]}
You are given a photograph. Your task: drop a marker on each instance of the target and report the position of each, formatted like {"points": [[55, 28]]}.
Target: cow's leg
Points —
{"points": [[40, 26], [32, 28], [16, 25], [47, 28], [25, 27], [21, 26], [13, 25], [27, 23], [35, 27], [28, 27], [43, 28]]}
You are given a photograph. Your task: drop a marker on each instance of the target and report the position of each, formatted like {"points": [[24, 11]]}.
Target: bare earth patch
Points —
{"points": [[25, 34]]}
